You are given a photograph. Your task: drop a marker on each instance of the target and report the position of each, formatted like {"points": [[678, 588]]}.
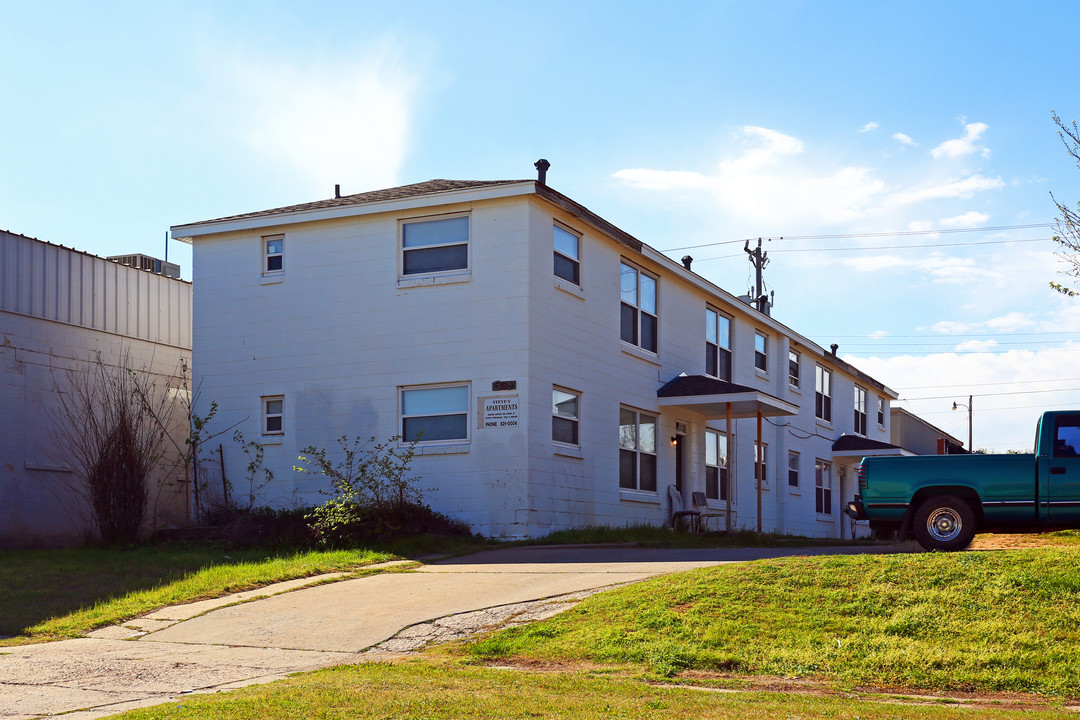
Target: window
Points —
{"points": [[761, 462], [637, 450], [1067, 436], [434, 414], [564, 416], [823, 487], [274, 254], [567, 264], [793, 469], [432, 246], [717, 345], [273, 415], [716, 465], [881, 411], [823, 395], [793, 368], [860, 411], [638, 323], [761, 346]]}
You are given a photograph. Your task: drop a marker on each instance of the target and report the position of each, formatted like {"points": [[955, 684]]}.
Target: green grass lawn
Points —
{"points": [[984, 621], [50, 594], [434, 691]]}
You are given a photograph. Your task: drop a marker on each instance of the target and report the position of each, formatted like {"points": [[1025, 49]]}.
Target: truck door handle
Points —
{"points": [[1057, 471]]}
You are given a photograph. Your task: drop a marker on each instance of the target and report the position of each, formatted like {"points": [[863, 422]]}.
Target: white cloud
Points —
{"points": [[968, 219], [976, 346], [770, 182], [325, 121], [878, 334], [960, 147], [904, 139], [869, 126]]}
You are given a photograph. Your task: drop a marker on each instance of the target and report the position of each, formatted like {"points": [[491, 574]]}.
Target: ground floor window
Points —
{"points": [[637, 450], [273, 407], [761, 462], [823, 487], [793, 469], [716, 466], [433, 414]]}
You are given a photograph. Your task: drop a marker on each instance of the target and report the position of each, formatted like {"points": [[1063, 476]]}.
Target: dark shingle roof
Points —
{"points": [[690, 385], [395, 193], [849, 443]]}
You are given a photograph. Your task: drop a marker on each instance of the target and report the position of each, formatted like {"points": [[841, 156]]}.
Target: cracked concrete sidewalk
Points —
{"points": [[302, 625]]}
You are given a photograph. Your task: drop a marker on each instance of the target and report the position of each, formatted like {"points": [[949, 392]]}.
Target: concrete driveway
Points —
{"points": [[299, 626]]}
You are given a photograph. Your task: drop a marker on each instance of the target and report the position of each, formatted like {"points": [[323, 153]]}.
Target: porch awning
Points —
{"points": [[709, 396], [854, 446]]}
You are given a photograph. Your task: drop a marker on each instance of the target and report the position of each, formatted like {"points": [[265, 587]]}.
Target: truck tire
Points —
{"points": [[944, 523]]}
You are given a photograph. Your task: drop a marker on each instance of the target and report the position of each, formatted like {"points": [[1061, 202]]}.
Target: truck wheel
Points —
{"points": [[944, 523]]}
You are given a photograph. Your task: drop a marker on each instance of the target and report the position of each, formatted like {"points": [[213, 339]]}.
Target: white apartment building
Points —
{"points": [[554, 371], [60, 309]]}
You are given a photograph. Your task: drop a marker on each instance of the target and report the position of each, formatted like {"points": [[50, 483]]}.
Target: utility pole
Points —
{"points": [[759, 260]]}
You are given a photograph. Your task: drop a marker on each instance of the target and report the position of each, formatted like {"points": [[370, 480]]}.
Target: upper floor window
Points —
{"points": [[823, 487], [274, 254], [881, 411], [823, 394], [638, 325], [860, 411], [637, 450], [433, 246], [761, 352], [273, 407], [564, 416], [793, 368], [716, 465], [717, 345], [432, 414], [567, 263]]}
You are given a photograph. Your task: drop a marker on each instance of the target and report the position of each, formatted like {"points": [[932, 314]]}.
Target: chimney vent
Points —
{"points": [[834, 347], [541, 166], [686, 260], [337, 191]]}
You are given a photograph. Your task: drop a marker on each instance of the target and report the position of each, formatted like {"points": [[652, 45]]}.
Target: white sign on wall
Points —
{"points": [[500, 412]]}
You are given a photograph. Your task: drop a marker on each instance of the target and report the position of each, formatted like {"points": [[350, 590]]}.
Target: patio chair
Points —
{"points": [[677, 511], [703, 519]]}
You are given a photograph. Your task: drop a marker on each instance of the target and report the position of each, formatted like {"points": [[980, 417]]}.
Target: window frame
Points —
{"points": [[763, 465], [404, 434], [860, 411], [269, 256], [880, 411], [793, 469], [718, 355], [637, 450], [761, 357], [636, 311], [716, 441], [268, 416], [794, 364], [557, 416], [404, 251], [823, 487], [823, 393], [575, 261]]}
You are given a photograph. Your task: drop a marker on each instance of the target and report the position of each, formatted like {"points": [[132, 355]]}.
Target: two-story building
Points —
{"points": [[553, 370]]}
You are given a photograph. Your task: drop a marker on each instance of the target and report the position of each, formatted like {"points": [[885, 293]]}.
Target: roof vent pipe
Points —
{"points": [[541, 166], [686, 260], [337, 192], [834, 347]]}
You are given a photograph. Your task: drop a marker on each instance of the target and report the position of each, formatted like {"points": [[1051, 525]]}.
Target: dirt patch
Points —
{"points": [[990, 541]]}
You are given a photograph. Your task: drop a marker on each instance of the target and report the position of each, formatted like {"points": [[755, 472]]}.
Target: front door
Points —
{"points": [[680, 463]]}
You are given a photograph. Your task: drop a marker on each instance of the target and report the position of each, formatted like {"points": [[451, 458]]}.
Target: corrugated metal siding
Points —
{"points": [[56, 283]]}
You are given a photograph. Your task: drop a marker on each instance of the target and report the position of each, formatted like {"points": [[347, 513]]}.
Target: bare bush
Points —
{"points": [[112, 428]]}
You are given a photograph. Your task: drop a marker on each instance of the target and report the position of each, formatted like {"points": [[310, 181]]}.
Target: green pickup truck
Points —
{"points": [[943, 500]]}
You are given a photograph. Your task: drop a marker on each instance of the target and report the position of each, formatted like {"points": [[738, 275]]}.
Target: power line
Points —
{"points": [[848, 236], [1010, 382], [960, 335], [884, 247], [994, 394]]}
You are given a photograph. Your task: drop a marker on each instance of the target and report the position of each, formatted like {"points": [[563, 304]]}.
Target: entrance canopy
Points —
{"points": [[848, 447], [711, 397]]}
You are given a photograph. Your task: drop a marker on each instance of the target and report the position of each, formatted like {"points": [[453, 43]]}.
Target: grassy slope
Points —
{"points": [[64, 593], [1003, 621]]}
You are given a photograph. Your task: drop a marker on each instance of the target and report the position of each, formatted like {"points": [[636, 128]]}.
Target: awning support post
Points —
{"points": [[727, 461], [759, 466]]}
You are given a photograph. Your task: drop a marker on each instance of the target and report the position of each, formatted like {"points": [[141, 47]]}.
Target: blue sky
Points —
{"points": [[686, 124]]}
